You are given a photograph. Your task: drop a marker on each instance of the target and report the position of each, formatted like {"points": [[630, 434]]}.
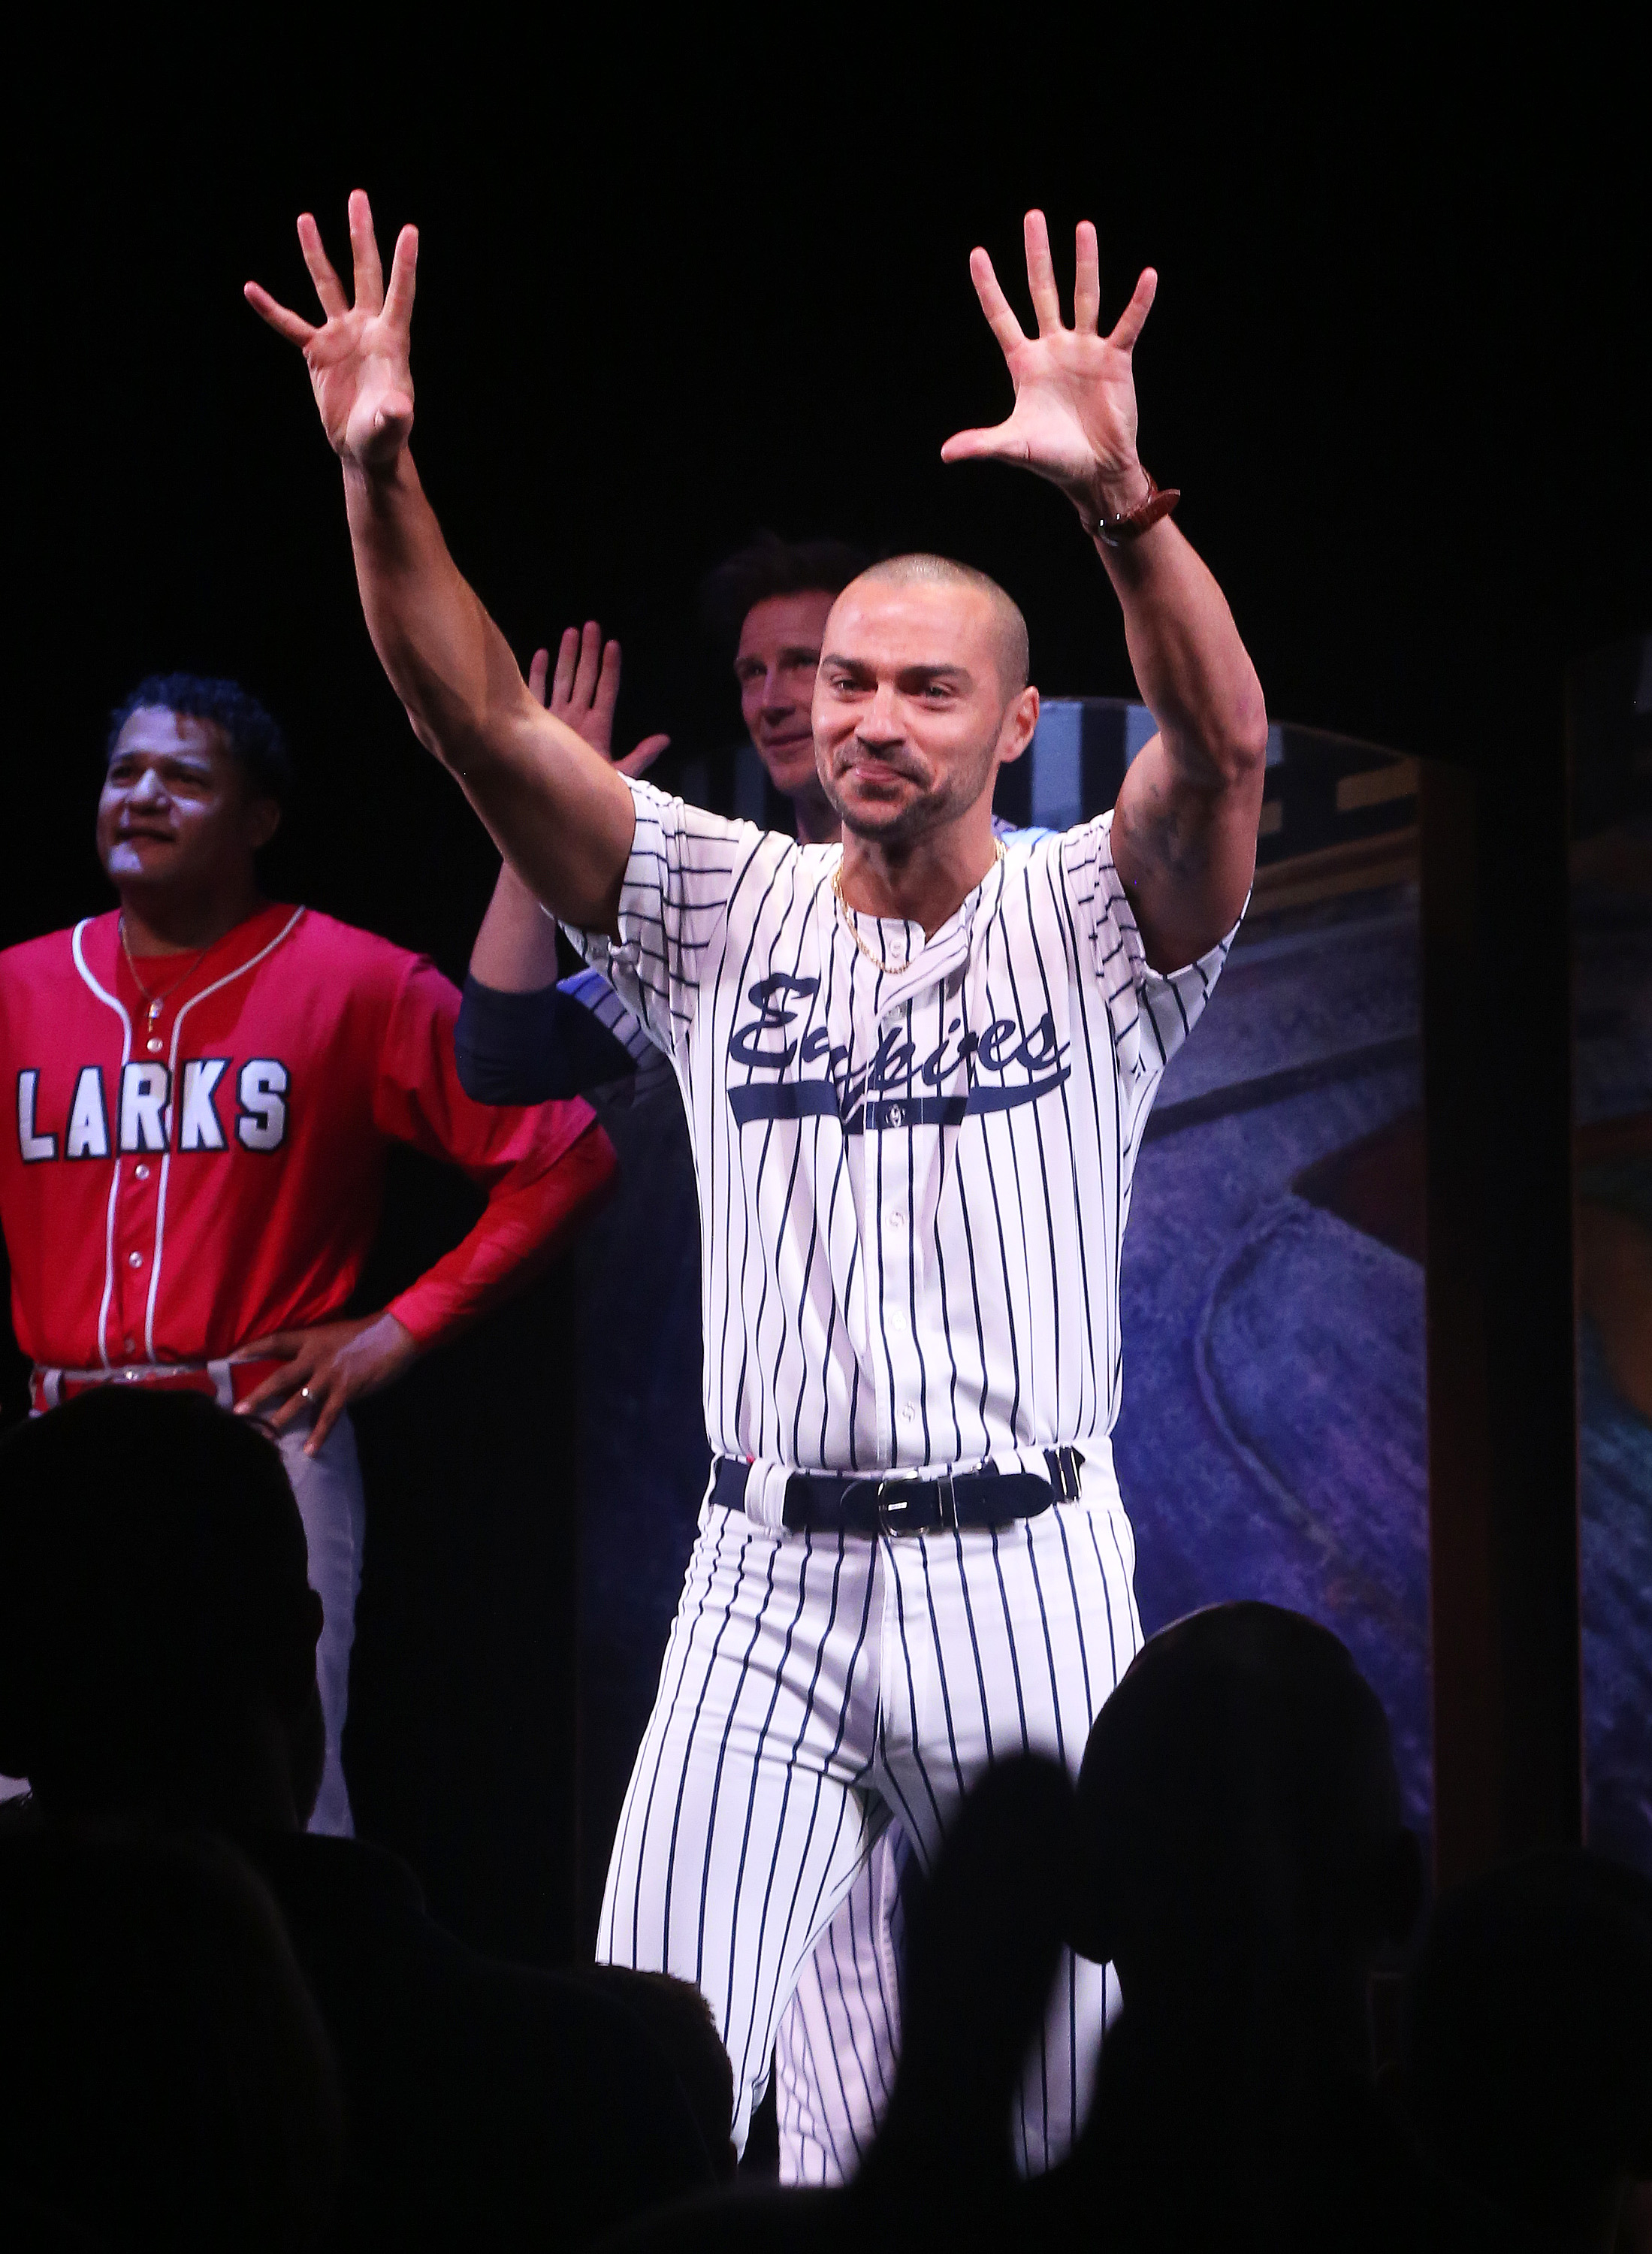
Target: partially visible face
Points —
{"points": [[176, 807], [911, 721], [775, 666]]}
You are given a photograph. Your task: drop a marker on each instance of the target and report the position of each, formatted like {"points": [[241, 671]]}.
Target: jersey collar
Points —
{"points": [[945, 951], [107, 958]]}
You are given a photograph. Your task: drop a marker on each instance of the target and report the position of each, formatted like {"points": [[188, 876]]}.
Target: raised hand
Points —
{"points": [[359, 357], [584, 691], [1073, 421]]}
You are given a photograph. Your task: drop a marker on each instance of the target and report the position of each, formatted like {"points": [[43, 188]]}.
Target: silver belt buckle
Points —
{"points": [[890, 1505], [893, 1504]]}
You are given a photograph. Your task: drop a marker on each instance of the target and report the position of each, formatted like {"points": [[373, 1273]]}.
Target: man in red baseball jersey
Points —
{"points": [[204, 1084]]}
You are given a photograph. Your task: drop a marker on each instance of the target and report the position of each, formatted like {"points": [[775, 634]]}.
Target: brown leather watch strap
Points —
{"points": [[1116, 531]]}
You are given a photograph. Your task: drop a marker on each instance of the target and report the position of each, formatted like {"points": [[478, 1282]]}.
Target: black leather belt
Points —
{"points": [[819, 1503]]}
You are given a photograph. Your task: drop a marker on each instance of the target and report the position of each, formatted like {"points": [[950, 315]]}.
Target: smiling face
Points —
{"points": [[775, 666], [913, 717], [178, 812]]}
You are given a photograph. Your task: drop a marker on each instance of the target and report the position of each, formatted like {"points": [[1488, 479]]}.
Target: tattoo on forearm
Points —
{"points": [[1167, 837]]}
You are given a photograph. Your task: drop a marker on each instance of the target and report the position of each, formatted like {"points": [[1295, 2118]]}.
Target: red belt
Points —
{"points": [[225, 1382]]}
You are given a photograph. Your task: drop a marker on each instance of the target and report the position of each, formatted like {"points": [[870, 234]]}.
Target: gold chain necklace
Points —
{"points": [[155, 1001], [877, 960]]}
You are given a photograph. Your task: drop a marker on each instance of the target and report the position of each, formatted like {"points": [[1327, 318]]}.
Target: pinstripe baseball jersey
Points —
{"points": [[913, 1156]]}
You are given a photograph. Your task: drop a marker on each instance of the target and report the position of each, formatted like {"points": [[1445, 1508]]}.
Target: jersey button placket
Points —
{"points": [[139, 1203], [896, 1309]]}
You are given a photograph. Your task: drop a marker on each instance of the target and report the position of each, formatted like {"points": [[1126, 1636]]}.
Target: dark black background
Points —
{"points": [[675, 283]]}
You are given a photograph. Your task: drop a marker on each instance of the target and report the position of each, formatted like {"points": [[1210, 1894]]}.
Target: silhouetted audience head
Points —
{"points": [[1239, 1815], [158, 1641], [984, 1934], [1528, 2047], [1243, 1860], [158, 1629], [678, 2017], [167, 2081]]}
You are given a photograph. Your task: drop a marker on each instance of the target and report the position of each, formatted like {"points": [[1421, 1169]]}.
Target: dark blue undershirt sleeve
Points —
{"points": [[532, 1049]]}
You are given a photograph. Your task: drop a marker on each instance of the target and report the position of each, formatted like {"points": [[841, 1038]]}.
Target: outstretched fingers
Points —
{"points": [[1086, 280], [1001, 318], [562, 681], [588, 673], [285, 323], [398, 303], [640, 761], [607, 691], [1133, 319], [329, 288], [1040, 274], [364, 252], [984, 444]]}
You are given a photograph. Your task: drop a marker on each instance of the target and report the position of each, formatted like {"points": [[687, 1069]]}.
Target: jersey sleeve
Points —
{"points": [[536, 1047], [685, 865], [544, 1165], [1151, 1012]]}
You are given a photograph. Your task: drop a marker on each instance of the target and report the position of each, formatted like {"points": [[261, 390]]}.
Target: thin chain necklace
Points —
{"points": [[156, 1000], [877, 960]]}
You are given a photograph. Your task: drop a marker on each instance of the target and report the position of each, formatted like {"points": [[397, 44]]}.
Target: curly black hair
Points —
{"points": [[252, 735]]}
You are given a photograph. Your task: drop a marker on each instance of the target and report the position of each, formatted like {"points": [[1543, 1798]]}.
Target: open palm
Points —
{"points": [[1073, 421], [359, 357], [584, 691]]}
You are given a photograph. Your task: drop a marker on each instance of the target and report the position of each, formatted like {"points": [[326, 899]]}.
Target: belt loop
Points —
{"points": [[949, 1500], [1064, 1465]]}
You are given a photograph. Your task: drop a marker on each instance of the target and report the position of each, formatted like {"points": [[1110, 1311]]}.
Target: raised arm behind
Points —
{"points": [[561, 816]]}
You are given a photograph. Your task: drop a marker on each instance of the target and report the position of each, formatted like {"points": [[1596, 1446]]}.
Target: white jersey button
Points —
{"points": [[130, 1346], [156, 1045], [142, 1171], [898, 1217], [134, 1259]]}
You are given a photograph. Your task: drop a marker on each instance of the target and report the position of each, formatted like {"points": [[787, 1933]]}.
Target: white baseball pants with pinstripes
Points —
{"points": [[835, 2046], [814, 1687]]}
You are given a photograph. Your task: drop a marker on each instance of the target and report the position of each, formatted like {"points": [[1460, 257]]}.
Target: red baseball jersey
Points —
{"points": [[195, 1166]]}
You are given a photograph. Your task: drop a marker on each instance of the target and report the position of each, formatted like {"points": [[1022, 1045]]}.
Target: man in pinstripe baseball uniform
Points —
{"points": [[522, 1037], [916, 1077]]}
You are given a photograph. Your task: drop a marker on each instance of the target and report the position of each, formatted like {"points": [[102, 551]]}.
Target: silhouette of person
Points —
{"points": [[984, 1938], [168, 2082], [1529, 2043], [1243, 1859], [157, 1638]]}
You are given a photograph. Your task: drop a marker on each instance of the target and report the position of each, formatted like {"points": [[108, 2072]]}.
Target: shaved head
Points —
{"points": [[921, 695], [1010, 651]]}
